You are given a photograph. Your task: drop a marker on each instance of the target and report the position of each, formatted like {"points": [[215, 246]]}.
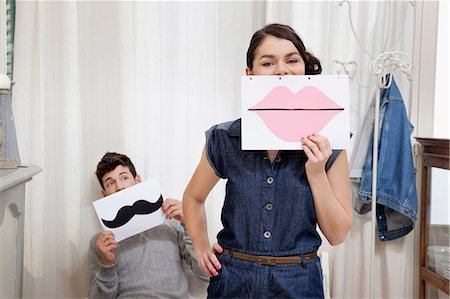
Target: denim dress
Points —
{"points": [[268, 210]]}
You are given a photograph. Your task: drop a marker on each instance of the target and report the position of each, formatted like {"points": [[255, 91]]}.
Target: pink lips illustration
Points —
{"points": [[292, 116]]}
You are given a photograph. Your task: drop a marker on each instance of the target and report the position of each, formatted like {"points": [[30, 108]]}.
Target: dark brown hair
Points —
{"points": [[312, 64], [109, 162]]}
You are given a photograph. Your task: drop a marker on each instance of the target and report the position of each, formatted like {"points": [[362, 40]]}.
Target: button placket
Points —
{"points": [[266, 201]]}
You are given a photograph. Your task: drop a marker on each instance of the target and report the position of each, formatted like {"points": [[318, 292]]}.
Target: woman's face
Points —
{"points": [[276, 56]]}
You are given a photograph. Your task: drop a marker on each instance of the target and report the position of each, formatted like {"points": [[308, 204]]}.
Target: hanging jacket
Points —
{"points": [[396, 194]]}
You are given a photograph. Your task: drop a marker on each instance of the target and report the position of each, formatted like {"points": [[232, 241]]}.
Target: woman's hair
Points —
{"points": [[312, 64], [109, 162]]}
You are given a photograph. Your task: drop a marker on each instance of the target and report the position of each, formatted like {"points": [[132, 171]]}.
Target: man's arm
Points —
{"points": [[188, 254], [103, 281]]}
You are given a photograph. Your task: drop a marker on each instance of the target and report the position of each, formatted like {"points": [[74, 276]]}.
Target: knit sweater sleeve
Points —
{"points": [[103, 281], [187, 251]]}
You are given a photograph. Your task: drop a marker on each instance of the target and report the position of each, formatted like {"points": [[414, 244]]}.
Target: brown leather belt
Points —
{"points": [[271, 260]]}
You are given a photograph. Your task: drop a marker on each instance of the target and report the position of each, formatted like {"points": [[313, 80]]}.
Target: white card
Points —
{"points": [[132, 210], [277, 111]]}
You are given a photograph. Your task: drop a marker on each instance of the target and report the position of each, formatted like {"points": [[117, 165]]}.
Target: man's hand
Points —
{"points": [[173, 208], [106, 245]]}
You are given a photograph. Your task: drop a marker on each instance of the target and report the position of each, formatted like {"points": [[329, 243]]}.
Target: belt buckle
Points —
{"points": [[265, 260]]}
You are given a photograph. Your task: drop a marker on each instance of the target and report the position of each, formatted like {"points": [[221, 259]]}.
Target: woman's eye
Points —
{"points": [[267, 64], [292, 61]]}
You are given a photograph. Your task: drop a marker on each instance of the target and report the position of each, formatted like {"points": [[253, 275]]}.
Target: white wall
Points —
{"points": [[441, 127], [440, 193]]}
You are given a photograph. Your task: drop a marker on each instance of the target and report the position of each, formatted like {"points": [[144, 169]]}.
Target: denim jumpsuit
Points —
{"points": [[268, 210]]}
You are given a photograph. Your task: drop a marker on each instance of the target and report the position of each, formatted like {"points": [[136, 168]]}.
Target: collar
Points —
{"points": [[391, 93]]}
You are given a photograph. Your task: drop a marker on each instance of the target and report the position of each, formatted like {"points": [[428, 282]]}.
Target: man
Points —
{"points": [[147, 265]]}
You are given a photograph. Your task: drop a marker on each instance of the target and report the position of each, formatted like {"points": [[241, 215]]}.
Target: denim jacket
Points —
{"points": [[396, 179], [268, 208]]}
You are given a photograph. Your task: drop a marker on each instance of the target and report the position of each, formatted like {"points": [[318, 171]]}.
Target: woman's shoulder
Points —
{"points": [[232, 127]]}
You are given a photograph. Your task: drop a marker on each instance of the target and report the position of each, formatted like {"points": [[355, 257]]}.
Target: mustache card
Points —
{"points": [[277, 111], [132, 210]]}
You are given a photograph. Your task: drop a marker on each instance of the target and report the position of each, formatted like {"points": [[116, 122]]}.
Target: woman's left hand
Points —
{"points": [[318, 150]]}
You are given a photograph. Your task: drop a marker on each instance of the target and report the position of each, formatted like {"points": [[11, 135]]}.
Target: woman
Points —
{"points": [[267, 247]]}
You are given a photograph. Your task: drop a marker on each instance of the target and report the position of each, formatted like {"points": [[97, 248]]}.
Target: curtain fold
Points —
{"points": [[147, 79]]}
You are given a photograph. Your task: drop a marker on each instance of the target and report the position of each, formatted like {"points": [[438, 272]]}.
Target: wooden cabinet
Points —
{"points": [[12, 195], [435, 154]]}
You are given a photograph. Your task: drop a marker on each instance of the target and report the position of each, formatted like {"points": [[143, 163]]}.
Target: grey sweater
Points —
{"points": [[148, 265]]}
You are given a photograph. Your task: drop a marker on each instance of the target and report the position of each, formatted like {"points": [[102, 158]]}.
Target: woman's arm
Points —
{"points": [[201, 183], [330, 190]]}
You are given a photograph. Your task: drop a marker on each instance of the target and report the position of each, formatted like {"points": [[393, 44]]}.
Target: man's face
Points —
{"points": [[118, 179]]}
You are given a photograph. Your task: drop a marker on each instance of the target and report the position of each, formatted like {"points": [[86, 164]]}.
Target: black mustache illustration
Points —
{"points": [[140, 207]]}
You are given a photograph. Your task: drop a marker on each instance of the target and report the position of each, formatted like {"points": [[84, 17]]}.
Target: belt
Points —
{"points": [[271, 260]]}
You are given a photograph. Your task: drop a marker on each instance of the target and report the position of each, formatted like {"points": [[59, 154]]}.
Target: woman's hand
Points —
{"points": [[318, 150], [208, 261]]}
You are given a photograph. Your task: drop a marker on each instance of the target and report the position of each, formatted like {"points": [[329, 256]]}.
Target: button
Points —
{"points": [[267, 234], [278, 159], [268, 206], [269, 180]]}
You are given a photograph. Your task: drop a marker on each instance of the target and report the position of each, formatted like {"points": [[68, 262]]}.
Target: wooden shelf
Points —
{"points": [[434, 153], [435, 279]]}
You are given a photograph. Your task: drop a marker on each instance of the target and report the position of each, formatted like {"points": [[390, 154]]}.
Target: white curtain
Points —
{"points": [[147, 79]]}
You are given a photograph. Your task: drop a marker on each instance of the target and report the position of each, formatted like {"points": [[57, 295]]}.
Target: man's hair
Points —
{"points": [[109, 162]]}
